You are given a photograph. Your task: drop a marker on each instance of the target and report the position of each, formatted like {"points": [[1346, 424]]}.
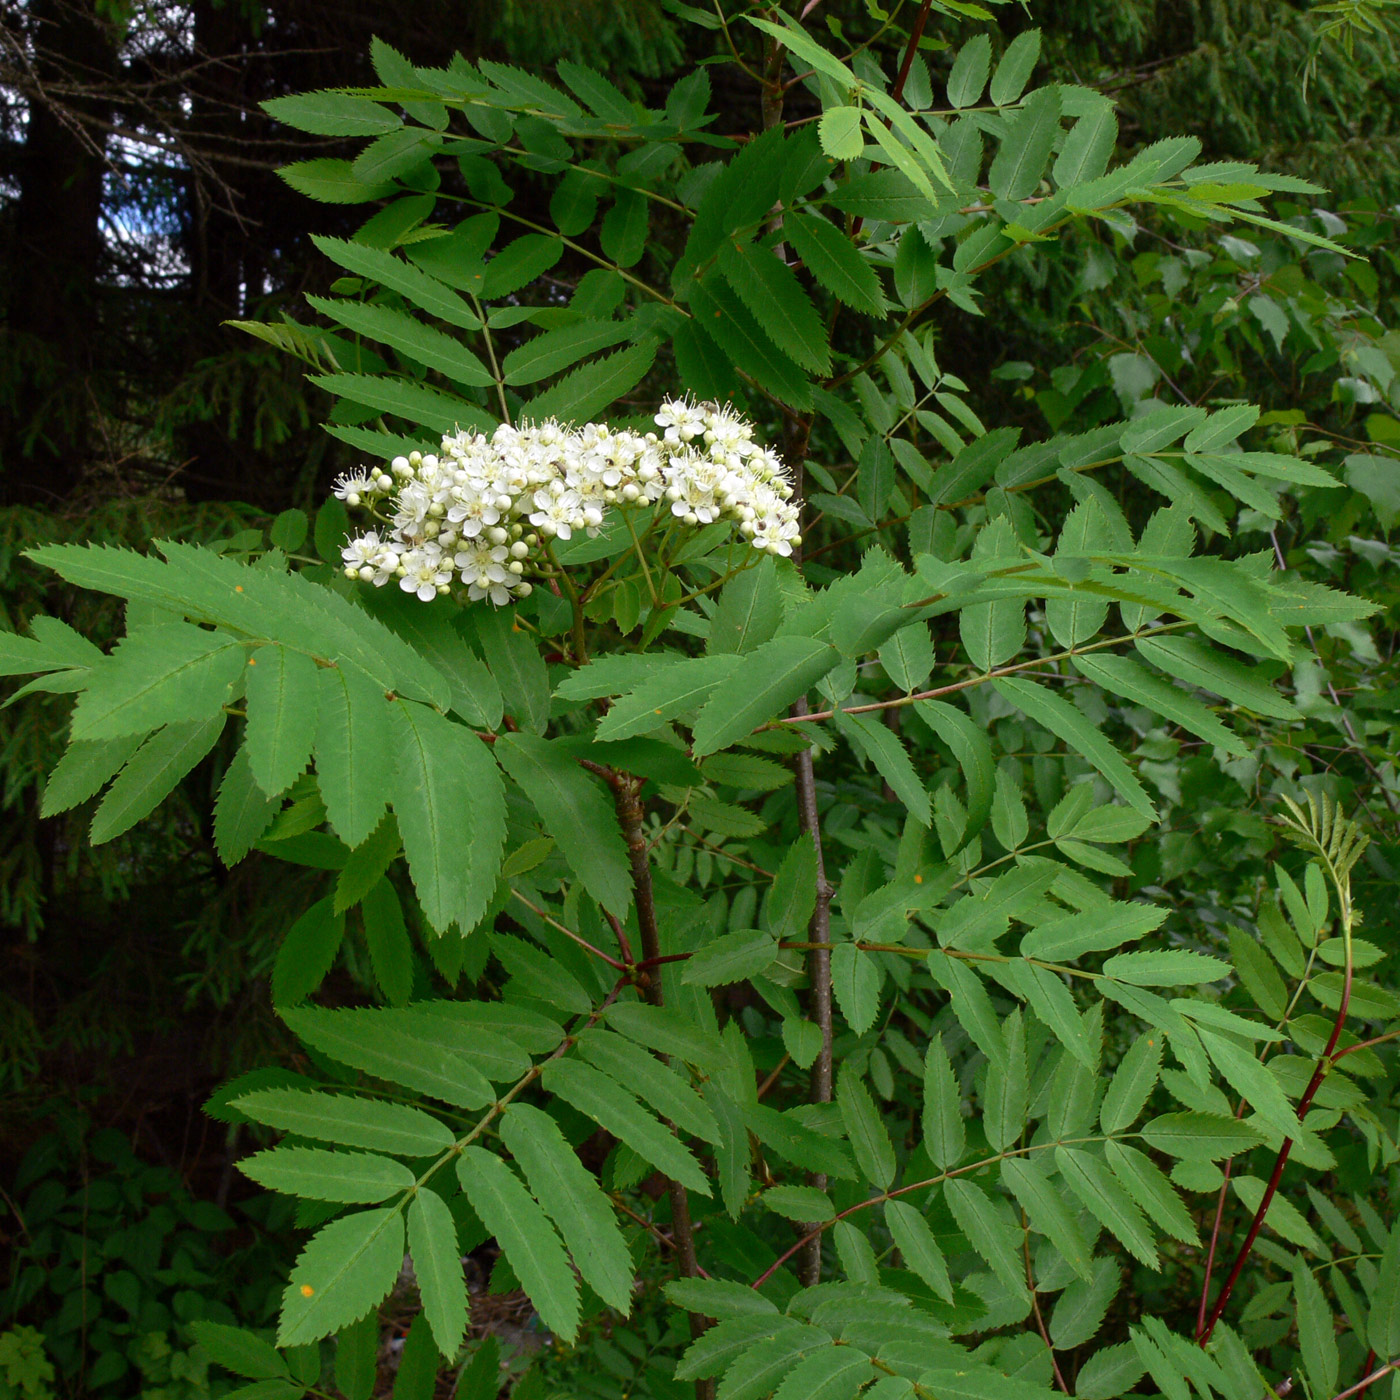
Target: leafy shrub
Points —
{"points": [[705, 892]]}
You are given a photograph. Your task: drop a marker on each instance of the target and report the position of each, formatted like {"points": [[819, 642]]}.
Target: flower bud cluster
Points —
{"points": [[479, 509]]}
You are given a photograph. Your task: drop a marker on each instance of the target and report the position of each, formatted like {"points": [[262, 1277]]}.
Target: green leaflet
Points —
{"points": [[1383, 1321], [914, 1239], [85, 769], [733, 957], [793, 894], [386, 937], [1015, 68], [1067, 723], [353, 1122], [169, 674], [432, 1243], [526, 1237], [239, 1351], [760, 685], [944, 1132], [987, 1228], [1045, 1206], [409, 336], [612, 1107], [1151, 1191], [874, 1153], [403, 1046], [571, 1196], [718, 1298], [517, 666], [241, 814], [1316, 1331], [366, 864], [352, 760], [1081, 1308], [856, 978], [968, 75], [415, 403], [657, 1084], [1106, 1200], [771, 291], [667, 1031], [833, 1373], [749, 610], [1172, 967], [447, 796], [1200, 1137], [548, 980], [1088, 147], [647, 702], [332, 114], [418, 287], [308, 952], [799, 1144], [1197, 663], [1025, 149], [1094, 930], [884, 749], [347, 1268], [281, 700], [552, 351], [1007, 1091], [805, 1204], [319, 1175], [1131, 1083], [1121, 675], [723, 318], [835, 262], [151, 774], [576, 812], [974, 756], [593, 387], [992, 633]]}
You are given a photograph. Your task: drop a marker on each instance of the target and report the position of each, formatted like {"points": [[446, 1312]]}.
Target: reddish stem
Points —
{"points": [[1281, 1161]]}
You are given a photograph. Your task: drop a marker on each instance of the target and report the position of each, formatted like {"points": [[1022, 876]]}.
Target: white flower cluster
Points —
{"points": [[478, 510]]}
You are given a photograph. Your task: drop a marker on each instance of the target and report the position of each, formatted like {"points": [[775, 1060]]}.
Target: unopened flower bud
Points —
{"points": [[519, 550], [516, 567]]}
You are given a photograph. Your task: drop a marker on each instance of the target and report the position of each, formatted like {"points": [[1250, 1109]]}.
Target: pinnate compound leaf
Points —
{"points": [[151, 774], [763, 683], [281, 696], [525, 1236], [576, 812], [601, 1098], [168, 674], [347, 1268], [352, 760], [240, 1351], [449, 800], [1066, 722], [320, 1175], [437, 1263], [572, 1198], [401, 1045], [1199, 1137], [353, 1122]]}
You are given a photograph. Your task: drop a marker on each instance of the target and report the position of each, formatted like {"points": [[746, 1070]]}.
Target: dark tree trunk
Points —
{"points": [[55, 341]]}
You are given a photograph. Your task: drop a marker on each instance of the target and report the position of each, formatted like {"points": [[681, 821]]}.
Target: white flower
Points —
{"points": [[466, 510], [425, 572]]}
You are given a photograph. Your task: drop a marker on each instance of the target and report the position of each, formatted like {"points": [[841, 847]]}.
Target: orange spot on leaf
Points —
{"points": [[307, 1290]]}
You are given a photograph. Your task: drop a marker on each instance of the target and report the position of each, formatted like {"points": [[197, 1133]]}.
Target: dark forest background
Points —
{"points": [[141, 214]]}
